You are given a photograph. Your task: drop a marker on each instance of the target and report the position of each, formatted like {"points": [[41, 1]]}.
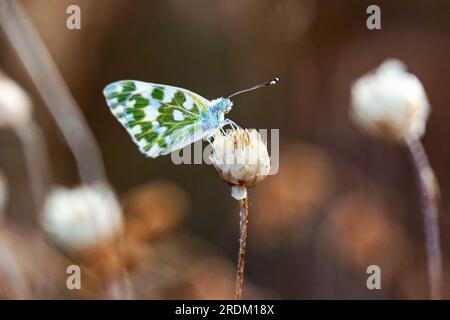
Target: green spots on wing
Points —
{"points": [[158, 93], [176, 129], [178, 98], [149, 137], [128, 86], [176, 133], [158, 117], [195, 109], [138, 114], [118, 98], [165, 117], [166, 112], [139, 101], [133, 104], [162, 143], [146, 126], [119, 93]]}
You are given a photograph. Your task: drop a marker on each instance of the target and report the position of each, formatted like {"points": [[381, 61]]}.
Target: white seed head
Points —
{"points": [[82, 217], [241, 157], [15, 105], [390, 103]]}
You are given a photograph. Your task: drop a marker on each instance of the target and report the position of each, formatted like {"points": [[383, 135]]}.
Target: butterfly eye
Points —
{"points": [[225, 105]]}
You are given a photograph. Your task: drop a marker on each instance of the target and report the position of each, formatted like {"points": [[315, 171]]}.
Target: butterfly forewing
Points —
{"points": [[159, 118]]}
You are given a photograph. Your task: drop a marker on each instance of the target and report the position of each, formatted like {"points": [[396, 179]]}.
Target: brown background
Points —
{"points": [[341, 201]]}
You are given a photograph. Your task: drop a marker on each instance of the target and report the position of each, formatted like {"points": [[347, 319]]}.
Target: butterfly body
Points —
{"points": [[161, 118], [214, 116]]}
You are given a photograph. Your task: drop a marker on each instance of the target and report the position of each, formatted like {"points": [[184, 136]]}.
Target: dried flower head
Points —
{"points": [[151, 212], [15, 105], [82, 217], [390, 103], [241, 157]]}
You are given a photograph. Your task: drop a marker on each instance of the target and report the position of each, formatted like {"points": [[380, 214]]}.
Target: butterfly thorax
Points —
{"points": [[214, 116]]}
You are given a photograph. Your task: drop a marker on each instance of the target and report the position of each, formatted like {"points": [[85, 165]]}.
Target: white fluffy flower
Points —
{"points": [[15, 105], [390, 103], [241, 157], [81, 217]]}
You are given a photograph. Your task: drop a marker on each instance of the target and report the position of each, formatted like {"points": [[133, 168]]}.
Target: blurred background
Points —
{"points": [[341, 200]]}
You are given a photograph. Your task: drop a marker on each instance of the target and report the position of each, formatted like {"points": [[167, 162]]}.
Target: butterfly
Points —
{"points": [[161, 119]]}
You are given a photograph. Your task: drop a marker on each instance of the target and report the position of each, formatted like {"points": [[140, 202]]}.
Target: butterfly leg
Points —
{"points": [[233, 124], [227, 136], [223, 131], [210, 136]]}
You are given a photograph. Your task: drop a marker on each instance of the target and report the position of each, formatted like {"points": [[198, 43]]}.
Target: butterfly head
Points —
{"points": [[222, 104]]}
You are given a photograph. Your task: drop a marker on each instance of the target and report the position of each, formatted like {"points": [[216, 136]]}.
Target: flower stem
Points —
{"points": [[11, 276], [429, 192], [243, 214], [36, 161], [119, 289]]}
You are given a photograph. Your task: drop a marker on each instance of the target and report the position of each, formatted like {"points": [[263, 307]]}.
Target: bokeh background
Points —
{"points": [[341, 200]]}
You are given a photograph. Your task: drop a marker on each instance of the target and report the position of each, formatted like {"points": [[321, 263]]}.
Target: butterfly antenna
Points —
{"points": [[261, 85]]}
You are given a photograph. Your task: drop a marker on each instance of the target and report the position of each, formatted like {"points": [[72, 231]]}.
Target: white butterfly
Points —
{"points": [[162, 119]]}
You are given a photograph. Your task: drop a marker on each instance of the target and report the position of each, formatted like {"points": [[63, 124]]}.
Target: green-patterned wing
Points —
{"points": [[159, 118]]}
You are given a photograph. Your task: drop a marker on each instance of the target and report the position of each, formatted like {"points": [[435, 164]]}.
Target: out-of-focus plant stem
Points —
{"points": [[243, 216], [11, 275], [119, 289], [35, 154], [429, 194], [53, 90]]}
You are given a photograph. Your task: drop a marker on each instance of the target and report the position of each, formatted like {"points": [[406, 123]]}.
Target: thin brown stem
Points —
{"points": [[429, 193], [118, 286], [35, 155], [11, 276], [243, 215], [119, 289]]}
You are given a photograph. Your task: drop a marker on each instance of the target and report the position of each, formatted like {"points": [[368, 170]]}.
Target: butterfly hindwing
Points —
{"points": [[159, 118]]}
